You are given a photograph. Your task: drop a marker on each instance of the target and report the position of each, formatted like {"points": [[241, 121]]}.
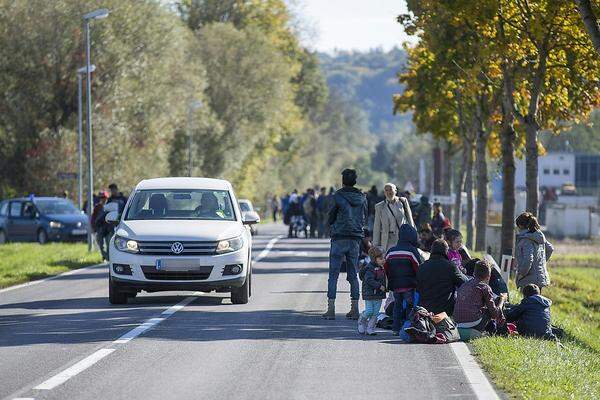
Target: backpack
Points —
{"points": [[445, 327], [420, 326]]}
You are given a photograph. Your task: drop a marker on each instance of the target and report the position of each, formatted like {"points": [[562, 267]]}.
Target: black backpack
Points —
{"points": [[421, 327]]}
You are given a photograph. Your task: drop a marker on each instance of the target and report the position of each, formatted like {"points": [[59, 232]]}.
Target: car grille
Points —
{"points": [[189, 248], [197, 274]]}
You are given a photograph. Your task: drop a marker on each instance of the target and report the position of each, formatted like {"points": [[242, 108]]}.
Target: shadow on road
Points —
{"points": [[217, 324], [98, 323]]}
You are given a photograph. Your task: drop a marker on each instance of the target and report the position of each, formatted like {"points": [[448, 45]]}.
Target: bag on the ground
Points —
{"points": [[445, 327], [421, 328]]}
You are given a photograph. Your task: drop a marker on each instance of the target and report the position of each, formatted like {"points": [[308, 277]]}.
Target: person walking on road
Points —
{"points": [[390, 215], [100, 226], [321, 213], [532, 251], [347, 218], [372, 200], [275, 207], [117, 197]]}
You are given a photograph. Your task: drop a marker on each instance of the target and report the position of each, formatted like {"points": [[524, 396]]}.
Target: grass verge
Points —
{"points": [[536, 369], [24, 262]]}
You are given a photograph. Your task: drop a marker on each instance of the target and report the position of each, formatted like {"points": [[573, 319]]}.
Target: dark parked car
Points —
{"points": [[41, 219]]}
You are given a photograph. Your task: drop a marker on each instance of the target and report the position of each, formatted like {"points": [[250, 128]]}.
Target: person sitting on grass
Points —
{"points": [[532, 316], [373, 290], [401, 264], [475, 307]]}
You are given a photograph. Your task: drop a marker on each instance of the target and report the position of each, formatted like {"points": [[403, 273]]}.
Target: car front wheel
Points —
{"points": [[42, 237], [241, 295], [114, 295]]}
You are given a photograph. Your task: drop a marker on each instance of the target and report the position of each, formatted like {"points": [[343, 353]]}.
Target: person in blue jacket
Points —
{"points": [[532, 316]]}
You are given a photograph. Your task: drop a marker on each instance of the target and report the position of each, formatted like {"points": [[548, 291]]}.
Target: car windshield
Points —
{"points": [[245, 206], [181, 204], [56, 206]]}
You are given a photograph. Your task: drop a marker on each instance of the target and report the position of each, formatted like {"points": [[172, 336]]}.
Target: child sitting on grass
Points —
{"points": [[532, 316], [373, 290], [475, 307]]}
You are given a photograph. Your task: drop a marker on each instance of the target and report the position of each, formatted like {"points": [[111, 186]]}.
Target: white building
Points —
{"points": [[554, 170]]}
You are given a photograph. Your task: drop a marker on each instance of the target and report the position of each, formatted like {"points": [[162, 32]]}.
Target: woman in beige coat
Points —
{"points": [[390, 214]]}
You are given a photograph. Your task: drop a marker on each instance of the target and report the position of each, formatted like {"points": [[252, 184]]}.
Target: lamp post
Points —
{"points": [[80, 73], [97, 14], [194, 105]]}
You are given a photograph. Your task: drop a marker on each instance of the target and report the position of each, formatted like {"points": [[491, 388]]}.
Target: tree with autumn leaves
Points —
{"points": [[501, 71]]}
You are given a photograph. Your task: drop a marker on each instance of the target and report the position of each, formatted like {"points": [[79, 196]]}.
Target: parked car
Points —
{"points": [[181, 234], [248, 210], [41, 219]]}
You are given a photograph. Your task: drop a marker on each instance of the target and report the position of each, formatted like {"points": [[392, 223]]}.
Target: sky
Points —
{"points": [[352, 24]]}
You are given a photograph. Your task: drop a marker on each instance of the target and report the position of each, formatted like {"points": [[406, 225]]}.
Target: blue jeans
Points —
{"points": [[372, 308], [341, 249], [400, 310]]}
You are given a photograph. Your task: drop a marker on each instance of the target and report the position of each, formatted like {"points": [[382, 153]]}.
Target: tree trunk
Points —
{"points": [[459, 186], [469, 222], [482, 188], [447, 176], [590, 22], [507, 140], [531, 167]]}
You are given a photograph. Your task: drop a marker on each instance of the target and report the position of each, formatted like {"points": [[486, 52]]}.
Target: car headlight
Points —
{"points": [[230, 245], [55, 225], [128, 245]]}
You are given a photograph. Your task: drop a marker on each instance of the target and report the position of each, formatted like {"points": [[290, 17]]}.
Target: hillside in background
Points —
{"points": [[369, 79]]}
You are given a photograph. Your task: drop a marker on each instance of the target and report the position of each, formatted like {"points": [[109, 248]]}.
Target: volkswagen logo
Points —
{"points": [[177, 248]]}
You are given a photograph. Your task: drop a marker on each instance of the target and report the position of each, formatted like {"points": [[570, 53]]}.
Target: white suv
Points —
{"points": [[181, 234]]}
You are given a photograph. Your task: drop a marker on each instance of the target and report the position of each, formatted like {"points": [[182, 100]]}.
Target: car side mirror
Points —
{"points": [[250, 219], [112, 217]]}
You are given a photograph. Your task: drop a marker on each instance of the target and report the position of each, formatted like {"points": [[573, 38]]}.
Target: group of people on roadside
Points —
{"points": [[432, 289], [103, 230]]}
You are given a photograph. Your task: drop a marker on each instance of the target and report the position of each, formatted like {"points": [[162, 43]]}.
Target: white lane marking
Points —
{"points": [[479, 383], [70, 372], [152, 322], [87, 362], [71, 272], [267, 249]]}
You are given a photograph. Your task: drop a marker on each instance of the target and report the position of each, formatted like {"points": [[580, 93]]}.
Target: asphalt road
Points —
{"points": [[275, 347]]}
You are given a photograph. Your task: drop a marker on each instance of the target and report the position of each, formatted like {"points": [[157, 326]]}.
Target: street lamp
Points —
{"points": [[194, 105], [97, 14], [80, 73]]}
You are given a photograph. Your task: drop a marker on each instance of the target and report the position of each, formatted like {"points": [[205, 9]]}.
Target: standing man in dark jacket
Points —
{"points": [[437, 280], [346, 218]]}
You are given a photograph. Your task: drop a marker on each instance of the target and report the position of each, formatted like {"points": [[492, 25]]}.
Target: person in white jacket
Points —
{"points": [[390, 214]]}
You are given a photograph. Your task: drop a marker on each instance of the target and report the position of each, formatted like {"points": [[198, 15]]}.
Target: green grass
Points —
{"points": [[24, 262], [589, 260], [536, 369]]}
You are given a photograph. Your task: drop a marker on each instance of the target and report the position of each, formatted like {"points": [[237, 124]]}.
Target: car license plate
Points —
{"points": [[170, 264], [78, 232]]}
